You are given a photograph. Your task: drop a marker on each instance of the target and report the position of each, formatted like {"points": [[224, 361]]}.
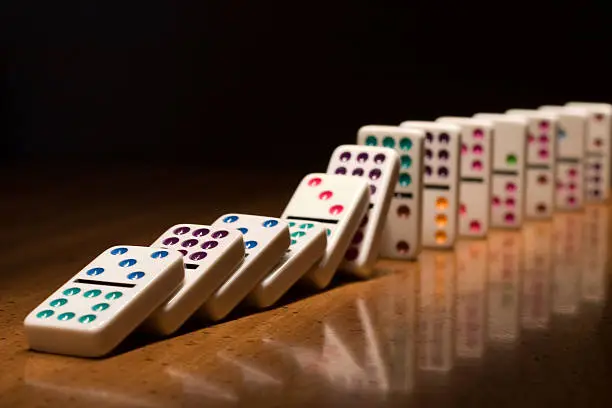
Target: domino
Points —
{"points": [[308, 243], [571, 134], [475, 185], [381, 167], [266, 240], [338, 202], [210, 257], [401, 236], [541, 162], [598, 144], [440, 192], [508, 170], [104, 302]]}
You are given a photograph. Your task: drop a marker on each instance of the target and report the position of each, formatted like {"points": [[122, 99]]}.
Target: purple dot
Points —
{"points": [[182, 251], [220, 234], [443, 171], [379, 158], [358, 172], [443, 154], [429, 137], [428, 170], [346, 156], [509, 217], [351, 254], [198, 256], [362, 157], [341, 170], [375, 174], [181, 230], [170, 241], [201, 232], [209, 244], [372, 189], [358, 237], [364, 221], [596, 166], [190, 242], [428, 154], [444, 138]]}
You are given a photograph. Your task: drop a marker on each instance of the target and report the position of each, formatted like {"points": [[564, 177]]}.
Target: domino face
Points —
{"points": [[440, 203], [508, 170], [210, 256], [475, 173], [338, 202], [381, 167], [98, 307], [308, 243], [541, 162], [401, 237], [266, 239]]}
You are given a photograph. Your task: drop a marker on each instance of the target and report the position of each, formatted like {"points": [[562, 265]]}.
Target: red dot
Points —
{"points": [[496, 201], [543, 139], [530, 138], [478, 133], [336, 209], [544, 125], [509, 217], [477, 165], [559, 185], [572, 172], [402, 247], [475, 226], [571, 200], [326, 195], [572, 186], [314, 182], [403, 211], [510, 202], [477, 149], [543, 153], [351, 254], [464, 149], [462, 209], [510, 187], [542, 179]]}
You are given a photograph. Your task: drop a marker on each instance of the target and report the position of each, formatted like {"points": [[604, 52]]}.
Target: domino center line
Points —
{"points": [[105, 283], [505, 172], [402, 195], [472, 179], [436, 187], [574, 160], [538, 166]]}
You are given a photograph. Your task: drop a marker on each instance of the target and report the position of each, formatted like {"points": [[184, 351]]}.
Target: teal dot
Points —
{"points": [[113, 295], [58, 302], [298, 234], [45, 314], [371, 140], [328, 232], [405, 144], [307, 226], [71, 291], [406, 162], [65, 316], [100, 307], [405, 179], [92, 293], [292, 224], [87, 318], [293, 242], [389, 142]]}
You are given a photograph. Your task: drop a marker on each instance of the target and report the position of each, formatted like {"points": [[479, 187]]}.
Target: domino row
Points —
{"points": [[400, 188]]}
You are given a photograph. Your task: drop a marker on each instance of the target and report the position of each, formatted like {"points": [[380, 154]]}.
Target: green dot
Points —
{"points": [[92, 293], [511, 159], [371, 140], [44, 314], [298, 234], [87, 318], [328, 232], [65, 316], [405, 179], [405, 144], [71, 291], [389, 142], [292, 224], [406, 162], [58, 302], [293, 242], [113, 295], [307, 226], [100, 307]]}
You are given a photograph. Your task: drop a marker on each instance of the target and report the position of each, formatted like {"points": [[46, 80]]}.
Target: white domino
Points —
{"points": [[598, 144], [508, 169], [380, 167], [541, 162], [401, 237], [89, 315], [338, 202], [442, 163], [308, 243], [210, 256], [266, 239], [475, 185]]}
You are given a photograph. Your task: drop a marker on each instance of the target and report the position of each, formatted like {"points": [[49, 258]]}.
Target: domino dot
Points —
{"points": [[379, 158], [598, 142], [477, 149], [346, 156], [544, 125], [462, 209], [441, 220], [543, 153], [314, 182], [209, 245], [444, 138], [405, 180], [184, 230], [357, 172], [542, 179], [402, 247], [544, 139], [403, 211], [406, 162], [92, 293], [428, 170], [571, 200], [375, 174], [198, 256], [71, 291], [170, 241], [326, 195], [599, 117], [113, 295], [510, 202], [65, 316], [478, 134], [429, 137], [371, 140], [270, 223], [182, 251], [477, 165], [298, 234], [364, 221], [405, 144], [428, 154], [464, 148], [119, 251], [243, 230], [159, 254], [541, 208], [250, 244], [388, 142], [201, 232], [135, 275], [58, 302], [475, 226], [443, 154], [351, 254], [328, 231], [362, 157], [336, 209], [190, 242], [100, 307], [596, 179], [509, 217], [530, 138], [95, 271], [307, 226], [496, 201], [44, 314], [443, 171], [87, 318], [561, 134], [441, 203], [220, 234], [510, 186], [341, 170], [571, 186], [440, 237], [511, 159], [357, 238], [292, 224], [127, 263], [372, 189], [572, 172], [293, 242]]}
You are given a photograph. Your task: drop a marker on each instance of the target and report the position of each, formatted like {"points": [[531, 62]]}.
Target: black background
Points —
{"points": [[277, 84]]}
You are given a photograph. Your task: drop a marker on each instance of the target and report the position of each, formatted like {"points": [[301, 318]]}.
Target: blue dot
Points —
{"points": [[127, 263], [250, 244], [159, 254], [230, 218], [243, 230], [95, 271], [135, 275], [270, 223], [119, 251], [561, 134]]}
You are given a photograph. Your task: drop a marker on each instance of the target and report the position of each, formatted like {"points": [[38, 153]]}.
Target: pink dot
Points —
{"points": [[559, 185], [530, 138], [509, 217], [314, 182], [571, 186], [510, 187], [474, 226], [572, 172], [571, 200], [543, 139], [462, 209], [326, 195], [464, 149], [477, 149], [544, 125], [543, 153], [336, 209], [478, 133], [477, 165], [510, 202], [496, 201]]}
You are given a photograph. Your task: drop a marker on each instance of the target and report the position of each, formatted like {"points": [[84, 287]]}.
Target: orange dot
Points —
{"points": [[441, 203], [441, 237], [441, 220]]}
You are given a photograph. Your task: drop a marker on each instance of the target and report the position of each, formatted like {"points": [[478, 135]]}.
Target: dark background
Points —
{"points": [[276, 84]]}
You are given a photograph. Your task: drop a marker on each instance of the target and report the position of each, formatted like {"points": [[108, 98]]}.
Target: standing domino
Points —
{"points": [[381, 167], [440, 182], [508, 174], [475, 189], [96, 309], [401, 237], [308, 243], [338, 202], [210, 256], [266, 239], [541, 162]]}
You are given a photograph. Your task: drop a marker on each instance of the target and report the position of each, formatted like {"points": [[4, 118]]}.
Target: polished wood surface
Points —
{"points": [[521, 319]]}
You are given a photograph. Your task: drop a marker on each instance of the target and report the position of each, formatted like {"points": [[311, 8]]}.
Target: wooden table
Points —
{"points": [[439, 331]]}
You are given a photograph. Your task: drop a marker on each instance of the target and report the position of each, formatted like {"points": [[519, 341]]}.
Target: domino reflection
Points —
{"points": [[594, 277], [569, 247], [252, 374], [196, 386]]}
